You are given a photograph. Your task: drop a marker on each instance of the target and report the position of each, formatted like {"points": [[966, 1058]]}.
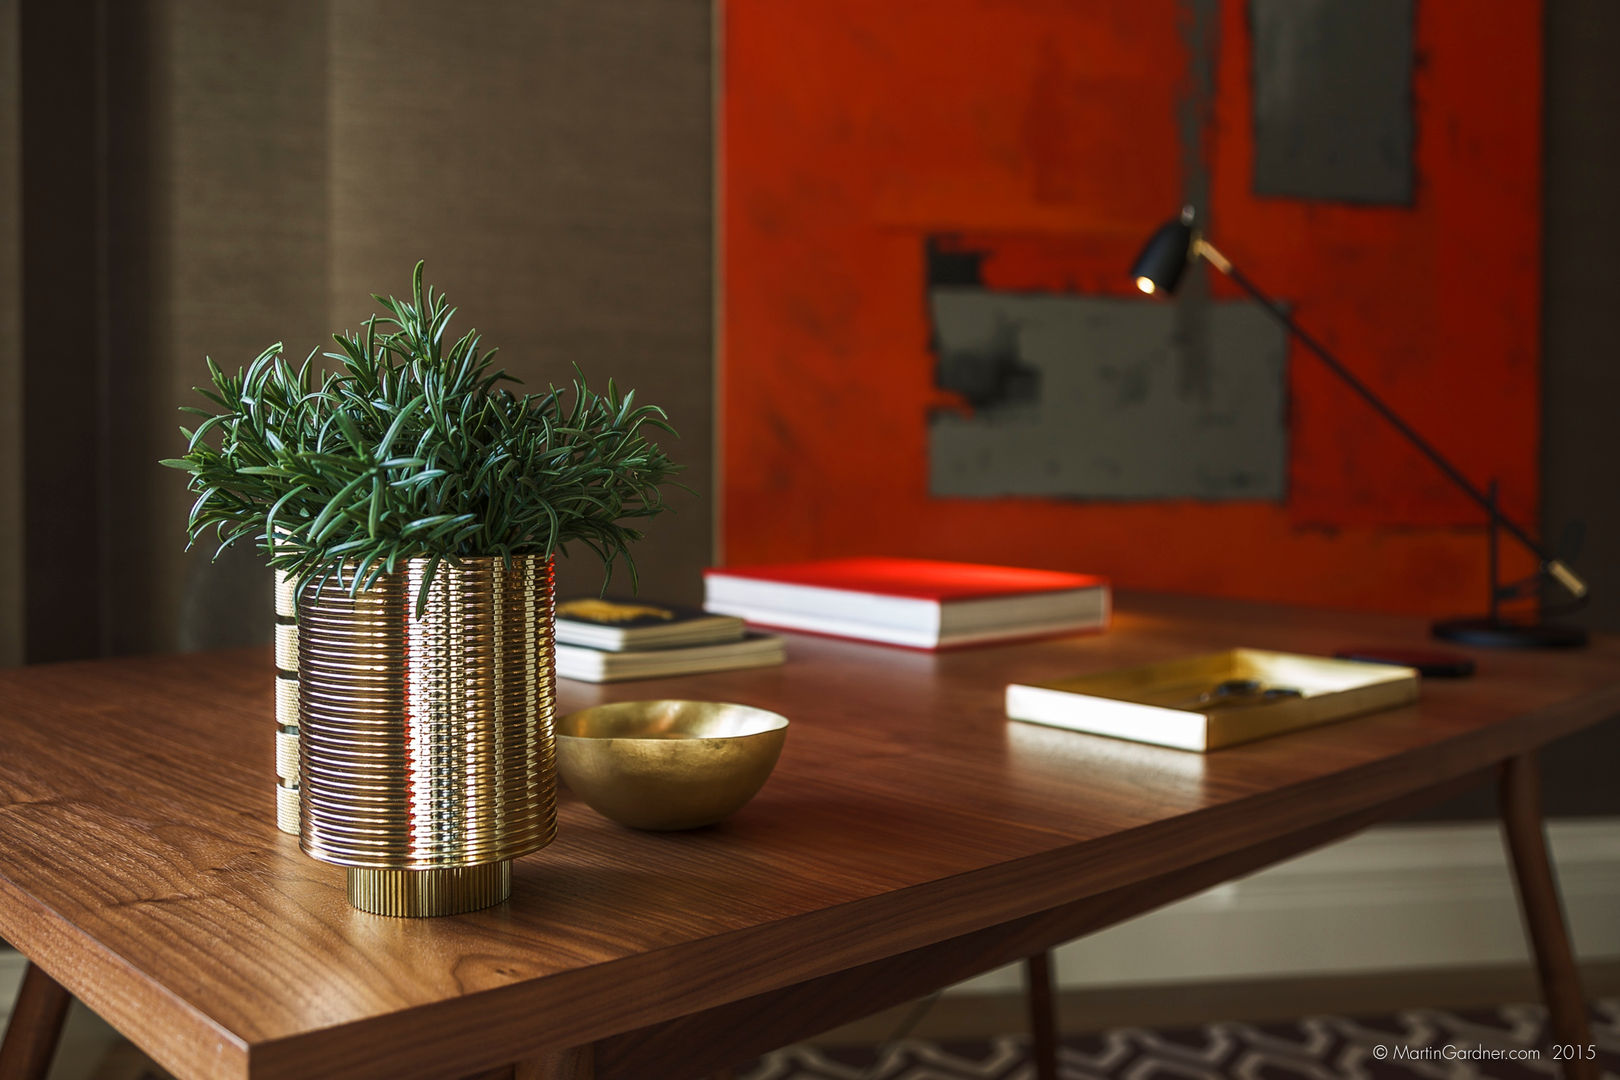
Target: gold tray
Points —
{"points": [[1175, 704]]}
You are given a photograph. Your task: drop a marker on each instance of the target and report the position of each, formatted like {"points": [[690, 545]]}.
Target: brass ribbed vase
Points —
{"points": [[426, 742]]}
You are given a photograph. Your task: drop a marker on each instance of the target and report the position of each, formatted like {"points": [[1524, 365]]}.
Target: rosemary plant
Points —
{"points": [[411, 449]]}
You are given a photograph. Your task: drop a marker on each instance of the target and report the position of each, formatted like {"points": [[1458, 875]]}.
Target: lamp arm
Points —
{"points": [[1558, 570]]}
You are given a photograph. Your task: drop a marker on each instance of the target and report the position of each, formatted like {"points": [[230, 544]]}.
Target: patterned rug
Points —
{"points": [[1505, 1043], [1421, 1044]]}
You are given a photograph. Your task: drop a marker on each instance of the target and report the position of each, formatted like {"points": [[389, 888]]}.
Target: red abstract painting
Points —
{"points": [[1050, 138]]}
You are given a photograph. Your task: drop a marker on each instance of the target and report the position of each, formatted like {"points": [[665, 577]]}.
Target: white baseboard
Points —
{"points": [[11, 973], [1392, 898]]}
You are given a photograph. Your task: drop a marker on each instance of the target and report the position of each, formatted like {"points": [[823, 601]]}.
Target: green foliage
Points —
{"points": [[411, 449]]}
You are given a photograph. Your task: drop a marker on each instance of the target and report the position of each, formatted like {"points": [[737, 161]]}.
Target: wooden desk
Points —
{"points": [[911, 836]]}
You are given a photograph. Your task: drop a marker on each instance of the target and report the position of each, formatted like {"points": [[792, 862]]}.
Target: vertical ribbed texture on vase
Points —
{"points": [[426, 743], [415, 893], [286, 638]]}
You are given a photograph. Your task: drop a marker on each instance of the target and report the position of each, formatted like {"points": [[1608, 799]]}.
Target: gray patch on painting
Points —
{"points": [[1110, 417], [988, 370], [1333, 112]]}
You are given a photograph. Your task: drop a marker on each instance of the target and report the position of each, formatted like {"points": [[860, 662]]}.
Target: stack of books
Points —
{"points": [[612, 640], [920, 603]]}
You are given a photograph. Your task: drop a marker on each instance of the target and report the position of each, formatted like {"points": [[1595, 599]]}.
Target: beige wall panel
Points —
{"points": [[551, 162], [219, 188], [11, 555]]}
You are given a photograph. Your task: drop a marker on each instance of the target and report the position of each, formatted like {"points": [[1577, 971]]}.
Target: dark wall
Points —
{"points": [[251, 172], [555, 172], [11, 551], [1580, 360], [1581, 277]]}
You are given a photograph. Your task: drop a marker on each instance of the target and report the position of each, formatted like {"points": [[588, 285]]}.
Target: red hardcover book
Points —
{"points": [[920, 603]]}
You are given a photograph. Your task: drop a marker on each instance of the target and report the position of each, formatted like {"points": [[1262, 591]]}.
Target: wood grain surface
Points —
{"points": [[140, 866], [692, 1045]]}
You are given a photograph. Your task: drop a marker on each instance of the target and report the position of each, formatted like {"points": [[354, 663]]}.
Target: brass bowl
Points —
{"points": [[668, 765]]}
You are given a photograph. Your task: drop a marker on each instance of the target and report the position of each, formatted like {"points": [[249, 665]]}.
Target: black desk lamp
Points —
{"points": [[1158, 269]]}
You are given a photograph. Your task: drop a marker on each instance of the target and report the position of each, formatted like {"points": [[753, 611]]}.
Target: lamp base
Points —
{"points": [[1489, 633]]}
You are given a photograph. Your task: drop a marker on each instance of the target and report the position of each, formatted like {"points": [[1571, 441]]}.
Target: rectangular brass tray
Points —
{"points": [[1174, 703]]}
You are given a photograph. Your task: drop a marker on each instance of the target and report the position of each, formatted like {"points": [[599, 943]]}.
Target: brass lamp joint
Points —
{"points": [[1202, 248], [1567, 578]]}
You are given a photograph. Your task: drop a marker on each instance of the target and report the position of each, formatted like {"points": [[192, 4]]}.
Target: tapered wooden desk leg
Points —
{"points": [[574, 1063], [35, 1027], [1042, 1015], [1543, 914]]}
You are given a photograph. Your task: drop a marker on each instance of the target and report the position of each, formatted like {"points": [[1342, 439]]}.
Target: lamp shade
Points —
{"points": [[1164, 257]]}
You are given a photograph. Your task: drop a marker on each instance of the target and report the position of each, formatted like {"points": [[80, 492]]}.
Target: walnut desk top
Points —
{"points": [[141, 869]]}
